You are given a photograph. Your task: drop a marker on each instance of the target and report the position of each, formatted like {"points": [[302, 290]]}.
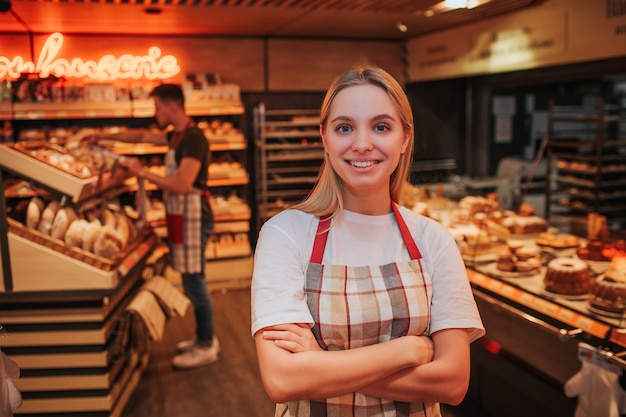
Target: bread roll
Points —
{"points": [[108, 244], [109, 219], [47, 217], [90, 234], [34, 211], [74, 233], [122, 225], [62, 221]]}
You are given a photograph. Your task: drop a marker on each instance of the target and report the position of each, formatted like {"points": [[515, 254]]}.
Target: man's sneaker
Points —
{"points": [[198, 355], [185, 345]]}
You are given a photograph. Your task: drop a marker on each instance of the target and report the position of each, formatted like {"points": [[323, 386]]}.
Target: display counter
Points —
{"points": [[532, 345]]}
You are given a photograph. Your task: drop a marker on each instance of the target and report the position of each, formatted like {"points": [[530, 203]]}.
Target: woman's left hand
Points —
{"points": [[293, 338]]}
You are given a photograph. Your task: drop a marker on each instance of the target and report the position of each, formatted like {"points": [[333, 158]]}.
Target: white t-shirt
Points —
{"points": [[283, 253]]}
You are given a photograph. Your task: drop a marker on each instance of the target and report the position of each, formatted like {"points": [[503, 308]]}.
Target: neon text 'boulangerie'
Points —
{"points": [[152, 66]]}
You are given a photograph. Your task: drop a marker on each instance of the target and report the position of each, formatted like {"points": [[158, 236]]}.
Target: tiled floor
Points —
{"points": [[231, 387]]}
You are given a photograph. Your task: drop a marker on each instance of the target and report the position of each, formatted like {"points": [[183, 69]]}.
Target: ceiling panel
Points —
{"points": [[360, 19]]}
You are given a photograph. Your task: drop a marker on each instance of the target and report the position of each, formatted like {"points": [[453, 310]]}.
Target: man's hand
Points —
{"points": [[132, 165], [293, 338]]}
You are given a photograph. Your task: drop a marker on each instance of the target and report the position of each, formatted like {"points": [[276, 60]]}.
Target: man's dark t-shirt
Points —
{"points": [[195, 145]]}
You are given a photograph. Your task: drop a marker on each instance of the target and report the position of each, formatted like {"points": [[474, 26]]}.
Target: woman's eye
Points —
{"points": [[381, 128], [343, 129]]}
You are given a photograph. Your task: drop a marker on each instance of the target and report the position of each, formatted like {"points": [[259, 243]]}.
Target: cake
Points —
{"points": [[609, 291], [523, 260], [505, 261], [567, 276], [525, 224]]}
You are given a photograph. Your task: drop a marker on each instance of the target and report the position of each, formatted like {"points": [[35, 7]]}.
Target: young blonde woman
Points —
{"points": [[361, 307]]}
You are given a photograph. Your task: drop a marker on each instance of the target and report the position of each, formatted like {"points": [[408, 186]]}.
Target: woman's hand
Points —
{"points": [[293, 338]]}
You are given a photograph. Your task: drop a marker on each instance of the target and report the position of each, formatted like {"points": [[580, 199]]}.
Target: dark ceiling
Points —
{"points": [[349, 19]]}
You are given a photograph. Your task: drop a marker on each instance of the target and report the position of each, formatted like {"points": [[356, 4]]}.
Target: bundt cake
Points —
{"points": [[567, 276], [609, 291]]}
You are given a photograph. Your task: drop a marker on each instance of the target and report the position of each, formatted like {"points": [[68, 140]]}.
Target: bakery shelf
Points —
{"points": [[288, 156], [586, 151], [145, 108], [295, 134], [42, 111], [296, 156], [6, 111], [67, 268], [18, 160], [228, 146], [227, 182]]}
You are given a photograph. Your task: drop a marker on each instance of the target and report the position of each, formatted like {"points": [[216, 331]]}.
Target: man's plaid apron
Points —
{"points": [[184, 220], [357, 306]]}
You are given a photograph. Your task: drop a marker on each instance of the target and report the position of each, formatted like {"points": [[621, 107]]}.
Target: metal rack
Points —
{"points": [[289, 153], [586, 157]]}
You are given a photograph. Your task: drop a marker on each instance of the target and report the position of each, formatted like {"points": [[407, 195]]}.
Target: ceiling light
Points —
{"points": [[451, 5], [401, 27], [456, 4]]}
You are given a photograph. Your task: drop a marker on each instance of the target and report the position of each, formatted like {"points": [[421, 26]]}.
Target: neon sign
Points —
{"points": [[153, 66]]}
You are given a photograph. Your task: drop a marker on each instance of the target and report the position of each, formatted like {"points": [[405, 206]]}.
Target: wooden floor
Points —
{"points": [[230, 387]]}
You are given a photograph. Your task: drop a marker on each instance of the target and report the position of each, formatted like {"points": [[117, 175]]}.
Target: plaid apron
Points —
{"points": [[184, 221], [357, 306]]}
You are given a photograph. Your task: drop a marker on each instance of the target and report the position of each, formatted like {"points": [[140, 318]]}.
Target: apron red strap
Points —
{"points": [[411, 246], [321, 236], [319, 244]]}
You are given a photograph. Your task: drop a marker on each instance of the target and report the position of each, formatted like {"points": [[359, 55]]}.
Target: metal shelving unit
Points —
{"points": [[289, 153], [586, 158]]}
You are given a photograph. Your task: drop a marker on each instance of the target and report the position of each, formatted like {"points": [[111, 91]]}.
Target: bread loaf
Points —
{"points": [[47, 217], [34, 211], [108, 244], [62, 221], [75, 232], [90, 234], [109, 219], [122, 225]]}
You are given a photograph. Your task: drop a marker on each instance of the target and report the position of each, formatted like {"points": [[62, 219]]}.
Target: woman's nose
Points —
{"points": [[362, 141]]}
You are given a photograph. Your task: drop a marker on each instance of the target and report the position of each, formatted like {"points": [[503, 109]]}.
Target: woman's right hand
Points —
{"points": [[293, 338]]}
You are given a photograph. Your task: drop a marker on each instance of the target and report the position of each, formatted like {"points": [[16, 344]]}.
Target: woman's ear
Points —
{"points": [[323, 137], [405, 142]]}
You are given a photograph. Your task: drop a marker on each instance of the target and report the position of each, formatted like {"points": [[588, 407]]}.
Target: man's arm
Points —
{"points": [[180, 183], [131, 136]]}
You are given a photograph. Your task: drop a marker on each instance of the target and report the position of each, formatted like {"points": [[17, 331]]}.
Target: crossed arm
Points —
{"points": [[410, 368]]}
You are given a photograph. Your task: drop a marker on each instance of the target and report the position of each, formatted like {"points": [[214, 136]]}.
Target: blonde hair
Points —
{"points": [[326, 198]]}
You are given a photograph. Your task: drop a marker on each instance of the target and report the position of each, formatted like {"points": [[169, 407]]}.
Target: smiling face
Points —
{"points": [[364, 138]]}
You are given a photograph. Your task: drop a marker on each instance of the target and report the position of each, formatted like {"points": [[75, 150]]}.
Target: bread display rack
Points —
{"points": [[64, 267], [79, 347]]}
